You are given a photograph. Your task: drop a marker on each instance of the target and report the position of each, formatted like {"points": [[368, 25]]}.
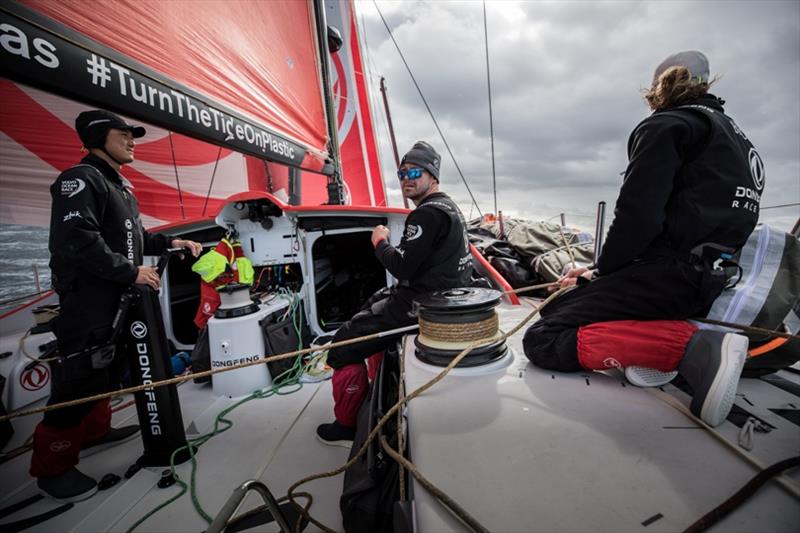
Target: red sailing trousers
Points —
{"points": [[658, 344], [350, 386], [56, 450]]}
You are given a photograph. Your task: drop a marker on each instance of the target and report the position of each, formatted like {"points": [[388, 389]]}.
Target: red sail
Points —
{"points": [[178, 177], [360, 158], [258, 58]]}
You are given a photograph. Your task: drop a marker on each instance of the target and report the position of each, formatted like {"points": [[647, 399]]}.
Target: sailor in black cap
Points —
{"points": [[97, 244], [433, 254], [689, 199]]}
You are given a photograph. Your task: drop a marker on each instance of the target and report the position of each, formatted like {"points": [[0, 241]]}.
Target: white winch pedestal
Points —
{"points": [[235, 337]]}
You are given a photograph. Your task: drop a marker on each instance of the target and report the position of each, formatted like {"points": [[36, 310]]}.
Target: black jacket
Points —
{"points": [[95, 227], [433, 253], [693, 177], [96, 244]]}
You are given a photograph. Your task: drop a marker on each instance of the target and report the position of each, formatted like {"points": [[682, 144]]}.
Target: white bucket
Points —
{"points": [[233, 341]]}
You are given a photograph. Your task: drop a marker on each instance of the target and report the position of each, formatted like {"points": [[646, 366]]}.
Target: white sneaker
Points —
{"points": [[641, 376]]}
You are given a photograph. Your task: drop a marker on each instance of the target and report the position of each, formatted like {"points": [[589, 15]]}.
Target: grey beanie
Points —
{"points": [[695, 61], [424, 155]]}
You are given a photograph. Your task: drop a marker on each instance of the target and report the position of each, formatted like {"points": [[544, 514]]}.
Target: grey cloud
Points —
{"points": [[566, 80]]}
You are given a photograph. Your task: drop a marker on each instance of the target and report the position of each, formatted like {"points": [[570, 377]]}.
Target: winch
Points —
{"points": [[450, 320], [234, 300]]}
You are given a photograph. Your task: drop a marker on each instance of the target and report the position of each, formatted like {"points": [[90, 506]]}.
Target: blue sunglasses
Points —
{"points": [[411, 173]]}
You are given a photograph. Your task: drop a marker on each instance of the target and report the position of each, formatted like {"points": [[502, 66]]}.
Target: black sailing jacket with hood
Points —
{"points": [[433, 253], [693, 177], [96, 244]]}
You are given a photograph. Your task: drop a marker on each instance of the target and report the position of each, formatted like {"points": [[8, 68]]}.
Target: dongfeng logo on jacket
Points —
{"points": [[70, 188], [756, 169]]}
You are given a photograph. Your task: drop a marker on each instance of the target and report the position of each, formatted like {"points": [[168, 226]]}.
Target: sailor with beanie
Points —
{"points": [[433, 254], [97, 244]]}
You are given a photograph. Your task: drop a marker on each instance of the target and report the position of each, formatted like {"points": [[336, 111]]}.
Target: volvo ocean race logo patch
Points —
{"points": [[70, 188], [756, 169], [413, 232]]}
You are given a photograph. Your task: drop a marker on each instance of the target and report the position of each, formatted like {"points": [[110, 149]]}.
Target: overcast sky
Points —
{"points": [[566, 79]]}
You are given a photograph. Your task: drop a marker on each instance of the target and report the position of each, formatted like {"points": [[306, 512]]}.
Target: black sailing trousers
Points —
{"points": [[381, 312], [654, 288]]}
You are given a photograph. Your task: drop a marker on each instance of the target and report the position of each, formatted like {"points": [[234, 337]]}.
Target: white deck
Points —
{"points": [[529, 450], [272, 440], [521, 449]]}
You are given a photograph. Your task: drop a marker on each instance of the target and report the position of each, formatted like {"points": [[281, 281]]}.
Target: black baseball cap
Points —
{"points": [[92, 127]]}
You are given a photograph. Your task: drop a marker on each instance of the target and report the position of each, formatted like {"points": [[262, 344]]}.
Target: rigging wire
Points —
{"points": [[177, 179], [491, 119], [430, 112], [213, 175], [779, 206]]}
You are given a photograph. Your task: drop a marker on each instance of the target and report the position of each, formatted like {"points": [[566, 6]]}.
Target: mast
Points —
{"points": [[335, 183], [391, 131]]}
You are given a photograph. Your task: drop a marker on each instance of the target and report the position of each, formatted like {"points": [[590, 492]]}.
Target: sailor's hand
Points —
{"points": [[148, 276], [571, 277], [379, 234], [194, 247]]}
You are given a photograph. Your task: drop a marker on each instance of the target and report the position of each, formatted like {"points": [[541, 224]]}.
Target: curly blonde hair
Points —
{"points": [[674, 87]]}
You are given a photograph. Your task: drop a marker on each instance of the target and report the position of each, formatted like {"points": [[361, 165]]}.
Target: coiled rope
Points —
{"points": [[467, 332]]}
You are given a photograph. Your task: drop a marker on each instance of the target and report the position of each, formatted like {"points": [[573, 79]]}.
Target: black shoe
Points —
{"points": [[712, 365], [71, 486], [112, 438], [336, 434]]}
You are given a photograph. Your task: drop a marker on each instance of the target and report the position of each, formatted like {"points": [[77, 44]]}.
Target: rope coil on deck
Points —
{"points": [[459, 333]]}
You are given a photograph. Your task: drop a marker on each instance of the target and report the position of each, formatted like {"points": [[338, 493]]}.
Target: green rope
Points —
{"points": [[287, 382]]}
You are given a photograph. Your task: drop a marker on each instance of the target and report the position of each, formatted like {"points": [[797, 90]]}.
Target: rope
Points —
{"points": [[569, 248], [187, 377], [430, 112], [214, 175], [401, 435], [533, 288], [748, 329], [472, 331], [443, 498], [177, 179], [397, 406], [791, 487], [489, 90], [29, 356], [732, 503]]}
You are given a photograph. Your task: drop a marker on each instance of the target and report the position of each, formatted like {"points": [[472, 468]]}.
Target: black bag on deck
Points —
{"points": [[201, 355], [767, 296], [371, 485], [281, 336], [514, 272]]}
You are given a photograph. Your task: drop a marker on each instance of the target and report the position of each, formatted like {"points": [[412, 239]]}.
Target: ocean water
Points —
{"points": [[22, 247]]}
